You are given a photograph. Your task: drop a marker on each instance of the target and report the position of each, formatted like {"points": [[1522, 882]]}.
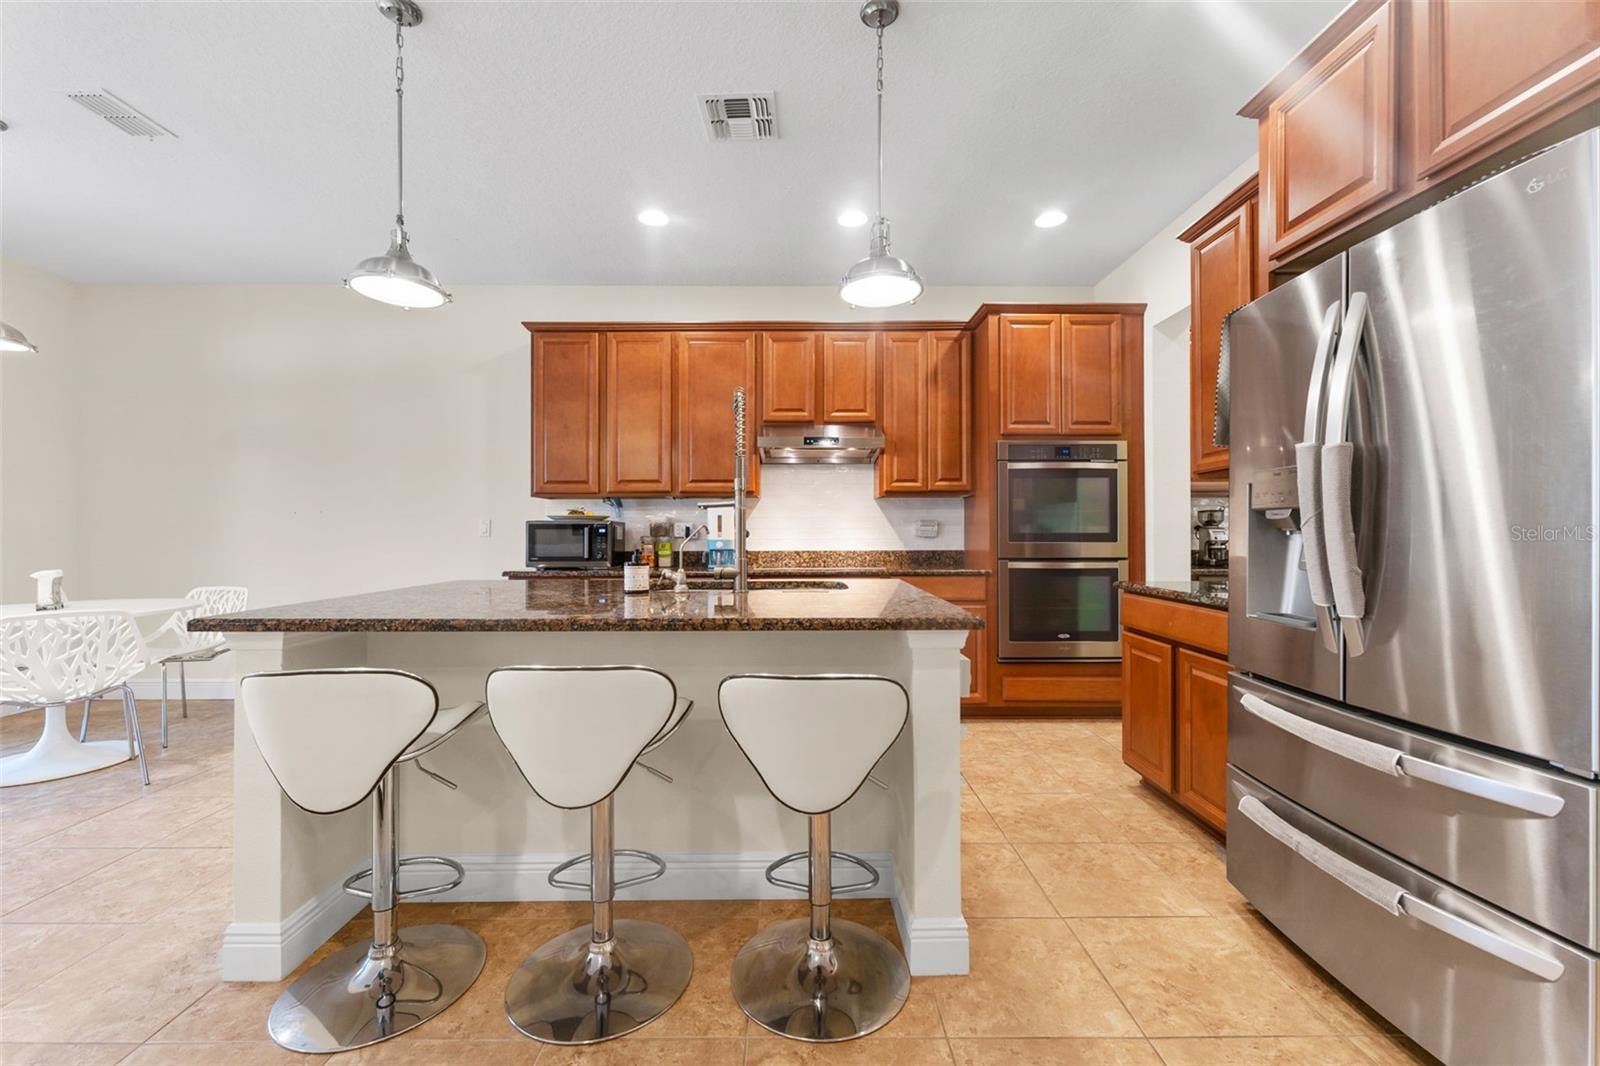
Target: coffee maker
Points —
{"points": [[1209, 541]]}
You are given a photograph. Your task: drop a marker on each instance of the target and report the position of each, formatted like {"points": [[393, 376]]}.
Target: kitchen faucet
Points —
{"points": [[741, 567]]}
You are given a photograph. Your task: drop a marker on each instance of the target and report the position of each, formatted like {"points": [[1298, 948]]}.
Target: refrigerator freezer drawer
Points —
{"points": [[1520, 837], [1466, 981]]}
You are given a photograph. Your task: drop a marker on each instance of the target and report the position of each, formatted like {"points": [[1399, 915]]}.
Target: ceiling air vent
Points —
{"points": [[743, 117], [120, 113]]}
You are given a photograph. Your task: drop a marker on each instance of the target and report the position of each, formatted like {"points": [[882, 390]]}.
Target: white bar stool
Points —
{"points": [[813, 741], [332, 738], [575, 733], [54, 658]]}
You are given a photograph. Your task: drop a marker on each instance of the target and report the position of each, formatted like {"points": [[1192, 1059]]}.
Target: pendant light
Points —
{"points": [[881, 279], [12, 340], [394, 277]]}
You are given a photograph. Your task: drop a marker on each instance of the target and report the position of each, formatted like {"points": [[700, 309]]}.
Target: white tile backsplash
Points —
{"points": [[816, 507]]}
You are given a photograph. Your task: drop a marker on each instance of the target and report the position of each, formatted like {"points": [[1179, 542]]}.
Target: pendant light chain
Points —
{"points": [[400, 127]]}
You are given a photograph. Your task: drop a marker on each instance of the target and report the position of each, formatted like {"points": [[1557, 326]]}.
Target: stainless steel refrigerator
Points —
{"points": [[1413, 737]]}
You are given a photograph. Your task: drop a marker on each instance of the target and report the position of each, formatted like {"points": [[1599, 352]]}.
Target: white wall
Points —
{"points": [[42, 417], [305, 442], [1158, 275]]}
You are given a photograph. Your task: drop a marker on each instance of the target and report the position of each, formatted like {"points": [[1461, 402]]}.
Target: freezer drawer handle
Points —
{"points": [[1394, 899], [1396, 763]]}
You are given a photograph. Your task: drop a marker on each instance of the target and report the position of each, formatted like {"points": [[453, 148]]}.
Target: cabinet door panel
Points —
{"points": [[1483, 67], [1221, 278], [1147, 707], [949, 399], [1093, 371], [903, 465], [566, 414], [849, 377], [639, 404], [789, 377], [1030, 374], [1330, 140], [1202, 784], [710, 365]]}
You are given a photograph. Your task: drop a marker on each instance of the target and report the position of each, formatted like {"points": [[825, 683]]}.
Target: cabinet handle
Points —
{"points": [[1396, 763], [1394, 899]]}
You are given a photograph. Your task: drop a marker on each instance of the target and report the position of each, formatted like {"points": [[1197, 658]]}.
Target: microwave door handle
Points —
{"points": [[1397, 763], [1395, 899], [1338, 472], [1308, 480]]}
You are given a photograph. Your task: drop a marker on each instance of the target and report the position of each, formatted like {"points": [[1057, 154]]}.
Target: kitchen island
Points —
{"points": [[715, 823]]}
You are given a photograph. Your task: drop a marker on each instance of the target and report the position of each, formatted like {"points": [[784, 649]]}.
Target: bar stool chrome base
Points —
{"points": [[574, 991], [351, 999], [820, 991]]}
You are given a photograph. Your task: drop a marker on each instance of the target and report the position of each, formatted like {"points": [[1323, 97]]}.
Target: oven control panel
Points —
{"points": [[1063, 451]]}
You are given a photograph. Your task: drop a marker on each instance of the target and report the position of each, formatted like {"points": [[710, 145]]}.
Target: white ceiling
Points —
{"points": [[537, 131]]}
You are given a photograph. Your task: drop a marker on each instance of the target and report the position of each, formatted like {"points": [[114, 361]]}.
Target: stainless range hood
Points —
{"points": [[819, 444]]}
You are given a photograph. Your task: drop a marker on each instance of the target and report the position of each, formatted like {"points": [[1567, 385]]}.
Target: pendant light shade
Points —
{"points": [[881, 279], [394, 277], [12, 340]]}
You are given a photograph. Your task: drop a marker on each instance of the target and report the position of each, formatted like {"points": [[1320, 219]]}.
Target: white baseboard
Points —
{"points": [[200, 688], [269, 951]]}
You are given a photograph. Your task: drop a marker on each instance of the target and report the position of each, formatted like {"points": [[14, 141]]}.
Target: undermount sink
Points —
{"points": [[768, 584]]}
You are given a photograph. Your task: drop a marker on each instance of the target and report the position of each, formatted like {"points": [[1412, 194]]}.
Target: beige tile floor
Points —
{"points": [[1103, 931]]}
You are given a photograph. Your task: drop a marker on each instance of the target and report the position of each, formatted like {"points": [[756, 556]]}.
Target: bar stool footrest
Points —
{"points": [[775, 878], [410, 893], [660, 868]]}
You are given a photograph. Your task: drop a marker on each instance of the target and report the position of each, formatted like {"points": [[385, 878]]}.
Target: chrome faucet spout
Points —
{"points": [[741, 579]]}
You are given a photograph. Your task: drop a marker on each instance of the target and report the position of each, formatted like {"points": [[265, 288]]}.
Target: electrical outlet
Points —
{"points": [[485, 527], [927, 528]]}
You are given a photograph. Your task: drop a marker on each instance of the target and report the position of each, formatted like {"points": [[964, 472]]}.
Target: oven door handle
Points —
{"points": [[1085, 464]]}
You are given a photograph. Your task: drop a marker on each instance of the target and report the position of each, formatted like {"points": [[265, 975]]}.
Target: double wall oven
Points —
{"points": [[1063, 545]]}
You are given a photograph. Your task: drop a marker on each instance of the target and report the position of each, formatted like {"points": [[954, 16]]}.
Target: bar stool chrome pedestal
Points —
{"points": [[817, 979], [575, 733], [332, 738]]}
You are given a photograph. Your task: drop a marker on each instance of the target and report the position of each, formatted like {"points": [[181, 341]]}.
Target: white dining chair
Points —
{"points": [[174, 644], [57, 658]]}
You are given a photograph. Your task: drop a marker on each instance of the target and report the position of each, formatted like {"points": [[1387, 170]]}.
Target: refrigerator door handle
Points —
{"points": [[1338, 470], [1308, 477], [1396, 763], [1394, 899]]}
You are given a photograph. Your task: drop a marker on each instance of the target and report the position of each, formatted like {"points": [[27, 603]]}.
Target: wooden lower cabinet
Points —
{"points": [[969, 594], [1202, 736], [1147, 707], [1175, 702]]}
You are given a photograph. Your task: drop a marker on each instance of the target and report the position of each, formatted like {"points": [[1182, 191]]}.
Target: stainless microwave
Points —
{"points": [[575, 544]]}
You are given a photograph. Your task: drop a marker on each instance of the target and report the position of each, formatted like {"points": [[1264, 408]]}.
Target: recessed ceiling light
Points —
{"points": [[1050, 219], [852, 218], [652, 217]]}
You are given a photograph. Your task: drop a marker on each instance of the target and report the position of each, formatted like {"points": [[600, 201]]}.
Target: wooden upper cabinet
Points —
{"points": [[710, 364], [903, 465], [566, 414], [789, 376], [1030, 374], [1329, 140], [639, 414], [1482, 69], [1147, 740], [1092, 402], [1202, 736], [1223, 276], [948, 466], [849, 377]]}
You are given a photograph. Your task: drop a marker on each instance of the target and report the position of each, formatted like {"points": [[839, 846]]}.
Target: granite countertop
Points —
{"points": [[802, 564], [1200, 593], [598, 604]]}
